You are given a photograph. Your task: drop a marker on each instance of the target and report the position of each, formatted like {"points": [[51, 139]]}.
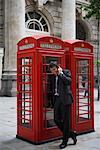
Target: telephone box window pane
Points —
{"points": [[25, 101], [49, 60], [47, 97], [83, 95]]}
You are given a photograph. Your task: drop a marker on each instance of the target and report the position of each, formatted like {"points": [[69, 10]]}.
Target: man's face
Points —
{"points": [[54, 70]]}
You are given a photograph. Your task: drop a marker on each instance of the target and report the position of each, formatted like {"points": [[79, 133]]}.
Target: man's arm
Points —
{"points": [[65, 76]]}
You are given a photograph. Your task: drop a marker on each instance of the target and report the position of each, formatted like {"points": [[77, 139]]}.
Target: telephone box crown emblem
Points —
{"points": [[26, 41], [51, 40]]}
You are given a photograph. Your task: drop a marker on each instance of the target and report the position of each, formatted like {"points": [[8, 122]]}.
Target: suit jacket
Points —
{"points": [[63, 87]]}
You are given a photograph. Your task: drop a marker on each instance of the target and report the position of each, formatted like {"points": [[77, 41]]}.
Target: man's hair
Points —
{"points": [[51, 65]]}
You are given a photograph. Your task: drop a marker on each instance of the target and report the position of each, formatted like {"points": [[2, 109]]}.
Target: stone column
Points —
{"points": [[1, 56], [68, 19], [14, 31]]}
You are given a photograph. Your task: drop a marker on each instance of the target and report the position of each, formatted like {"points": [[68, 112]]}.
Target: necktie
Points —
{"points": [[56, 92]]}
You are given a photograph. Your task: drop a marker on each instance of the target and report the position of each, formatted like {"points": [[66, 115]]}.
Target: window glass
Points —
{"points": [[36, 21]]}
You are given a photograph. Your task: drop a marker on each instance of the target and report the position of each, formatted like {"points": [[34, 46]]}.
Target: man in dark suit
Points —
{"points": [[62, 97]]}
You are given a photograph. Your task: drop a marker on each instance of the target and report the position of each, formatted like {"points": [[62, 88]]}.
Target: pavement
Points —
{"points": [[8, 125]]}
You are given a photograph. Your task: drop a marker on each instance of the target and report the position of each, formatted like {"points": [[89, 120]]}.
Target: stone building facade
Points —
{"points": [[19, 18]]}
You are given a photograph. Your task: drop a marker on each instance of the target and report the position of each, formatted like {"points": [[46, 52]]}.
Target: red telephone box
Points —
{"points": [[79, 59], [35, 121]]}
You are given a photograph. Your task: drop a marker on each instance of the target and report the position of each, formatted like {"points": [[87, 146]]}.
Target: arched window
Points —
{"points": [[80, 31], [35, 21]]}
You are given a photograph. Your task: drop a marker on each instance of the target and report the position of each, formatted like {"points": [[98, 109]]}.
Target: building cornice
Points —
{"points": [[82, 2], [42, 2]]}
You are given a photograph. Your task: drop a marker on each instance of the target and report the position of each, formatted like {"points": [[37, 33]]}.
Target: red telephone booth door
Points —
{"points": [[25, 96], [48, 128], [84, 94]]}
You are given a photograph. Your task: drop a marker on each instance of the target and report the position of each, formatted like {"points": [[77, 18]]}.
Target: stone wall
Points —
{"points": [[94, 41], [55, 9]]}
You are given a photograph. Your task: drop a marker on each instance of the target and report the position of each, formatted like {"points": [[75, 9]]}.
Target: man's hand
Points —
{"points": [[59, 70]]}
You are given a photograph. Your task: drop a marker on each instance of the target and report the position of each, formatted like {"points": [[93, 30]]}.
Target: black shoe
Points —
{"points": [[75, 141], [74, 138], [63, 145]]}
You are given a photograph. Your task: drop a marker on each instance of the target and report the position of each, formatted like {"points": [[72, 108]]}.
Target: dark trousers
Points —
{"points": [[62, 114]]}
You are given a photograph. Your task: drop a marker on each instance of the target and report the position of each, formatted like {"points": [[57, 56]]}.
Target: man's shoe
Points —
{"points": [[74, 138], [75, 141], [63, 145]]}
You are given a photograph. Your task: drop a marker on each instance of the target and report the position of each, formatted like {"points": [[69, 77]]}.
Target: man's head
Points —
{"points": [[53, 68]]}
